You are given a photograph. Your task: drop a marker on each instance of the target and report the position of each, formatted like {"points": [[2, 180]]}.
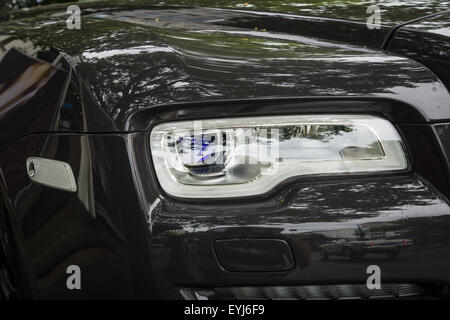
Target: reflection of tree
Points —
{"points": [[345, 9], [318, 132], [130, 66], [342, 204], [136, 84], [430, 49]]}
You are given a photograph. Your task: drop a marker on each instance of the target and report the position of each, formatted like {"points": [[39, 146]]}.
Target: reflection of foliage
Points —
{"points": [[6, 6], [183, 65], [340, 204], [428, 230], [318, 132], [344, 9], [221, 44], [54, 34]]}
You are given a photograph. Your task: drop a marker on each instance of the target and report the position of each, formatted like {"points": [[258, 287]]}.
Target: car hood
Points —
{"points": [[127, 60], [393, 12]]}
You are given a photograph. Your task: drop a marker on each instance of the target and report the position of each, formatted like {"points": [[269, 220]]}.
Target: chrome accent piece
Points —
{"points": [[313, 292], [51, 173]]}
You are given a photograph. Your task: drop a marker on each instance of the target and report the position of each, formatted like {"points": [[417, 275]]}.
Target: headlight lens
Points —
{"points": [[235, 157]]}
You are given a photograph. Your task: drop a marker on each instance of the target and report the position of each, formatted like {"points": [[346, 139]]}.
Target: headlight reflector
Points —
{"points": [[220, 158]]}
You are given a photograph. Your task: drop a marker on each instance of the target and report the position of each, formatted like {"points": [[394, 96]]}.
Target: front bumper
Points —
{"points": [[131, 240], [306, 216]]}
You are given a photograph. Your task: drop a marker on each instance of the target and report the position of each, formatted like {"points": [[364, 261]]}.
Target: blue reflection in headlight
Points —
{"points": [[198, 149]]}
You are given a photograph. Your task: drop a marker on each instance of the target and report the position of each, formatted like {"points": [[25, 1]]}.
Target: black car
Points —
{"points": [[192, 152]]}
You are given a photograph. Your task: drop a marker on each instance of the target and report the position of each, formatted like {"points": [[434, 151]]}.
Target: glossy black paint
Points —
{"points": [[101, 228], [443, 131], [308, 215], [421, 139], [126, 72], [393, 110], [422, 142], [426, 41], [355, 10], [125, 61], [29, 96]]}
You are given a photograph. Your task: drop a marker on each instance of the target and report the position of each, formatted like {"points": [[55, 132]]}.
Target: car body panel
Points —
{"points": [[134, 67], [352, 249], [30, 96], [172, 65], [151, 241], [443, 132], [426, 41], [99, 228], [182, 234], [393, 12]]}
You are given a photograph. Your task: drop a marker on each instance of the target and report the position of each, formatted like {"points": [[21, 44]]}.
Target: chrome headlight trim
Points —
{"points": [[346, 144]]}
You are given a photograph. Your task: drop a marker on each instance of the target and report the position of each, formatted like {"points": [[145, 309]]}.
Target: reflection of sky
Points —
{"points": [[439, 24], [328, 147], [288, 37], [442, 31], [129, 51], [437, 94], [361, 59]]}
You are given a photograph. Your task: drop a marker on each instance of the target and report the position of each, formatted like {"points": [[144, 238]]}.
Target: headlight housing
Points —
{"points": [[235, 157]]}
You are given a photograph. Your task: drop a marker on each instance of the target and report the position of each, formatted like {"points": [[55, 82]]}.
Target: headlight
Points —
{"points": [[236, 157]]}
